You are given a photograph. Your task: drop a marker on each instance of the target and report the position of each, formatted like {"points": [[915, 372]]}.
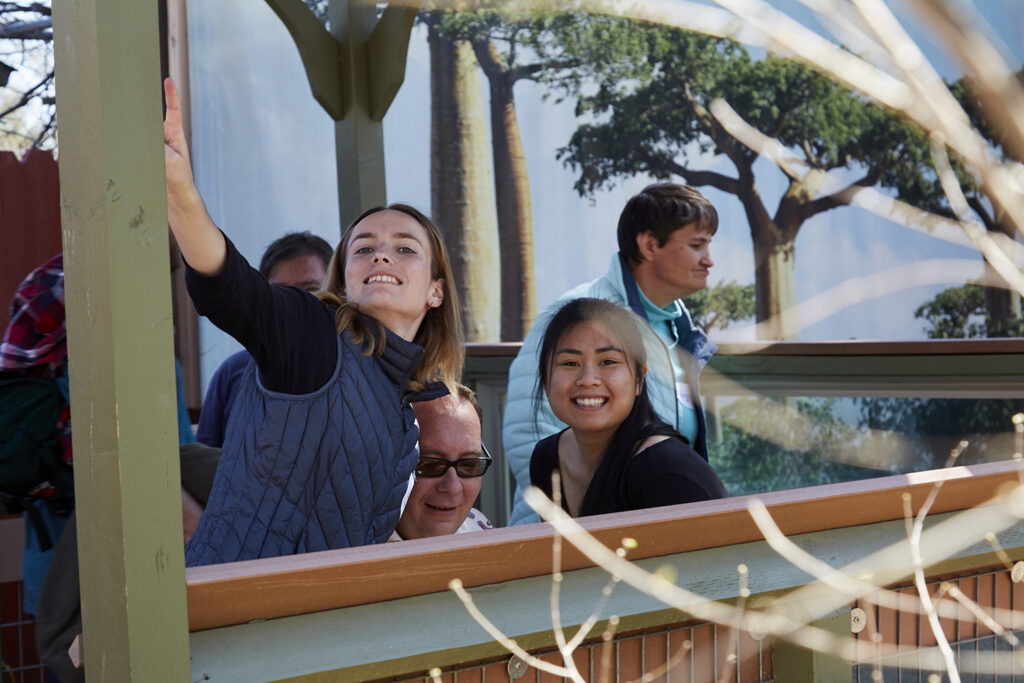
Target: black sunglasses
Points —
{"points": [[466, 468]]}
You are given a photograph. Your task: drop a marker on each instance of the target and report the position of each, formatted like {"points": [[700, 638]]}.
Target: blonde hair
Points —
{"points": [[440, 333]]}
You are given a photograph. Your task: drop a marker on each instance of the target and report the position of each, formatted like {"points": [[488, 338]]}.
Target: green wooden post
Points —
{"points": [[358, 139], [119, 340], [801, 665]]}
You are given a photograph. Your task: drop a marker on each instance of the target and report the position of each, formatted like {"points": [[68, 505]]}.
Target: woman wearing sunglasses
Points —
{"points": [[449, 472], [616, 454]]}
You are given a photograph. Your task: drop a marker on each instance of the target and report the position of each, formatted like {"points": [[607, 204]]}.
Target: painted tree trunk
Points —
{"points": [[515, 215], [774, 258], [461, 184], [1002, 303], [775, 290]]}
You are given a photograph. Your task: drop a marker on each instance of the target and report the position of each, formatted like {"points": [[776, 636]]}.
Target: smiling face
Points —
{"points": [[591, 381], [388, 271], [449, 429], [677, 268]]}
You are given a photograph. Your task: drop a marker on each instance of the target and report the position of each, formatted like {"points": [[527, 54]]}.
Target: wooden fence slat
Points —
{"points": [[29, 218]]}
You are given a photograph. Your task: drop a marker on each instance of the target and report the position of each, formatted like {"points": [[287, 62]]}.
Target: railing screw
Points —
{"points": [[858, 619], [516, 667]]}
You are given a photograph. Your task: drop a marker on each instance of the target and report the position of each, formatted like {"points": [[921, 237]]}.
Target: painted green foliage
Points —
{"points": [[720, 305], [962, 313], [655, 121]]}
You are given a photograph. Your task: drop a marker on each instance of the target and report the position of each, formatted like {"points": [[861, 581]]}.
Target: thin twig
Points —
{"points": [[503, 640], [919, 578]]}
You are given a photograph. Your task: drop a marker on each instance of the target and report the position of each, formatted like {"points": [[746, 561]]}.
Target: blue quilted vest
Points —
{"points": [[319, 471]]}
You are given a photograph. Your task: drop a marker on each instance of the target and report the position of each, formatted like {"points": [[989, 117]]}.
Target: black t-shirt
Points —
{"points": [[667, 473], [289, 332]]}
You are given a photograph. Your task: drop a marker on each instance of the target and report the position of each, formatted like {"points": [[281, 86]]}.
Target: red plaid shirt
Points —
{"points": [[35, 342]]}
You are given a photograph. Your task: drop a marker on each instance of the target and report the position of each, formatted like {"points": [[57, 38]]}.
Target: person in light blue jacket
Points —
{"points": [[664, 237]]}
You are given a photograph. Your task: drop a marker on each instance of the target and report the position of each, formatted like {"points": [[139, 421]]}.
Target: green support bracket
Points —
{"points": [[388, 49], [354, 71], [320, 53]]}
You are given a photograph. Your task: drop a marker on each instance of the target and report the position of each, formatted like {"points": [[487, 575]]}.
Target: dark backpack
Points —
{"points": [[31, 462]]}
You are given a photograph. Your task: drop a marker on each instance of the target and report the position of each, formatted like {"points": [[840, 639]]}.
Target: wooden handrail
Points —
{"points": [[236, 593]]}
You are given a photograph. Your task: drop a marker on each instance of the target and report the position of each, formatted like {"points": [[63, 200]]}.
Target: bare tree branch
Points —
{"points": [[840, 198], [703, 178], [27, 30]]}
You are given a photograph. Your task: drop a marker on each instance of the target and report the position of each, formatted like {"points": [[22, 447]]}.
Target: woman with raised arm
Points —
{"points": [[616, 454], [322, 440]]}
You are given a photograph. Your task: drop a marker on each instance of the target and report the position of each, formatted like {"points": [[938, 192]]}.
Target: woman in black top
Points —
{"points": [[616, 454], [322, 438]]}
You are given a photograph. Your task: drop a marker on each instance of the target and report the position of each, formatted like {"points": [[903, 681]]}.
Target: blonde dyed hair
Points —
{"points": [[440, 332]]}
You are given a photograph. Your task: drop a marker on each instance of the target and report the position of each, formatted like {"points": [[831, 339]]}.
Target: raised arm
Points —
{"points": [[201, 242]]}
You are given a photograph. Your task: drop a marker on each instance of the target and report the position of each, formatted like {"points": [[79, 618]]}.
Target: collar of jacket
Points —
{"points": [[691, 337], [399, 358], [431, 391]]}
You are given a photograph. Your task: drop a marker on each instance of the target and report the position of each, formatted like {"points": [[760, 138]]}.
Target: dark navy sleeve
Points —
{"points": [[220, 396], [289, 332], [670, 473]]}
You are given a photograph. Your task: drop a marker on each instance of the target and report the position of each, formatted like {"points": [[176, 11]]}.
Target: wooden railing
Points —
{"points": [[384, 611]]}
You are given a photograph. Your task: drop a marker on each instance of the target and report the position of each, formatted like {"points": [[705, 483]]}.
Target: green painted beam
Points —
{"points": [[113, 210], [380, 640], [320, 55], [388, 49]]}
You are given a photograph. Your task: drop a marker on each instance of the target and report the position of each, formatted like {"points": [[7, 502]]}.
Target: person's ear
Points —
{"points": [[646, 244], [641, 379], [436, 297]]}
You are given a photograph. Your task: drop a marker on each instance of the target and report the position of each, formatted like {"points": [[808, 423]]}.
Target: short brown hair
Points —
{"points": [[464, 393], [661, 209]]}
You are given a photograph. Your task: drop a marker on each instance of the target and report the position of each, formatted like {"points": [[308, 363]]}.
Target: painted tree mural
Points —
{"points": [[657, 121], [1002, 305], [559, 49]]}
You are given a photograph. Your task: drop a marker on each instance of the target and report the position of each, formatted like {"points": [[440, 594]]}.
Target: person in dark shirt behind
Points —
{"points": [[299, 259]]}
